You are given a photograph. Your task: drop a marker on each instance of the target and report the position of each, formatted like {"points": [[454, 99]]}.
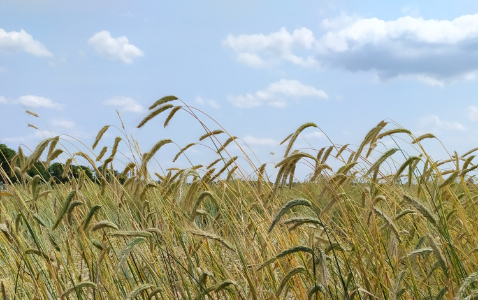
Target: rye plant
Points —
{"points": [[366, 223]]}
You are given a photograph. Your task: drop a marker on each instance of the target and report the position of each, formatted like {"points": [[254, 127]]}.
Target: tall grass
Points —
{"points": [[217, 232]]}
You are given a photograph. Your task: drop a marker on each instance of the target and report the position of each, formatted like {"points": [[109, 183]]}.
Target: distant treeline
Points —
{"points": [[54, 173]]}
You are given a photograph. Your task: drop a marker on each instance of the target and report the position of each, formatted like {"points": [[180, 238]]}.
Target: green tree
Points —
{"points": [[76, 171], [39, 169], [56, 172], [6, 155]]}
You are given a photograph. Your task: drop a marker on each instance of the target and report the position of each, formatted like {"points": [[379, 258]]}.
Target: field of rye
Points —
{"points": [[383, 225]]}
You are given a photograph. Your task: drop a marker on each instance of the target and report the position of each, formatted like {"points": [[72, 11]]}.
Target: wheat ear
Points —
{"points": [[382, 158], [294, 137], [163, 100], [287, 277], [450, 179], [439, 255], [100, 135], [421, 209], [402, 168], [393, 131], [389, 222], [232, 160], [313, 290], [211, 133], [342, 149], [81, 285], [289, 205], [465, 285], [66, 204], [140, 288], [422, 137], [171, 115], [32, 113], [90, 215], [143, 234], [115, 146], [102, 153], [369, 138], [467, 162], [469, 152], [286, 138], [35, 155], [154, 113], [326, 154], [182, 150], [212, 237], [123, 256], [128, 168], [228, 141]]}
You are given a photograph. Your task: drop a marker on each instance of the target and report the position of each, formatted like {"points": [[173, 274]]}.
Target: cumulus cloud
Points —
{"points": [[37, 101], [22, 41], [208, 102], [259, 50], [315, 134], [433, 51], [114, 48], [436, 123], [33, 137], [32, 101], [406, 46], [126, 104], [472, 112], [274, 94], [62, 123], [250, 140]]}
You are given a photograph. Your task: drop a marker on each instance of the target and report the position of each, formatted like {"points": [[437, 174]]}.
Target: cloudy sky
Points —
{"points": [[258, 68]]}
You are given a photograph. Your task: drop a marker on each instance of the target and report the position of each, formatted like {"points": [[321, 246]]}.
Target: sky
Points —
{"points": [[260, 69]]}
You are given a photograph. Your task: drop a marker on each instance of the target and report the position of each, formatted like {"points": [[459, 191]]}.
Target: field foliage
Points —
{"points": [[383, 225]]}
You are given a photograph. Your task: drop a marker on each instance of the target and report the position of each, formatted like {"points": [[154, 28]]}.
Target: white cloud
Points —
{"points": [[250, 140], [126, 104], [208, 102], [315, 134], [63, 123], [114, 48], [37, 101], [405, 47], [473, 113], [32, 101], [277, 45], [22, 41], [274, 93], [30, 138], [436, 123], [14, 140]]}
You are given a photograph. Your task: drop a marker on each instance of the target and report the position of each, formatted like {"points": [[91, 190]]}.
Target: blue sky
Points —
{"points": [[260, 69]]}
